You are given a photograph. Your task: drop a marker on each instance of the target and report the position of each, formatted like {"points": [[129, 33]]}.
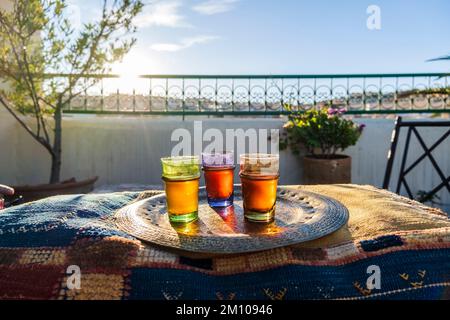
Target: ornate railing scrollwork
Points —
{"points": [[263, 95]]}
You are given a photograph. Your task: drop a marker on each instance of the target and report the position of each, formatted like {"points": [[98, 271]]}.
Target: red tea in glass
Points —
{"points": [[218, 169]]}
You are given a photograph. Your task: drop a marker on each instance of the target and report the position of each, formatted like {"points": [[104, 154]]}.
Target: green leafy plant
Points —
{"points": [[37, 39], [447, 57], [442, 58], [322, 131]]}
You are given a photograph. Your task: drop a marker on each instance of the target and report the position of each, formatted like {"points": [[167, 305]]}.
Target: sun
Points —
{"points": [[131, 67]]}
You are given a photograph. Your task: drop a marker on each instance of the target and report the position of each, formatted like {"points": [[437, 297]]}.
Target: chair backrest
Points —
{"points": [[412, 129]]}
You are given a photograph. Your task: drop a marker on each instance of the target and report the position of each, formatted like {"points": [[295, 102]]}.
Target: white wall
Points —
{"points": [[6, 4], [128, 149]]}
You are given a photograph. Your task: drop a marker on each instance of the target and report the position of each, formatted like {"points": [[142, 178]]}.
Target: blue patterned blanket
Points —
{"points": [[46, 245]]}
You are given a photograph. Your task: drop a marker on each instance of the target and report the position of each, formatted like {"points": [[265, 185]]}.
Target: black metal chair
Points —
{"points": [[412, 129]]}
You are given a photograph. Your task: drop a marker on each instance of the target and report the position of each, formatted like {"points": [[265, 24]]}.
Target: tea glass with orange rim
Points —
{"points": [[218, 169], [181, 175], [259, 173]]}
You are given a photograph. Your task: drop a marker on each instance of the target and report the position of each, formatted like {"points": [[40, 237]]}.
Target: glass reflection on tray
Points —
{"points": [[231, 220]]}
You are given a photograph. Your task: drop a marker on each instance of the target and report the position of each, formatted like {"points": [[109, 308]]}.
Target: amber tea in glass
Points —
{"points": [[181, 181], [259, 175], [218, 169]]}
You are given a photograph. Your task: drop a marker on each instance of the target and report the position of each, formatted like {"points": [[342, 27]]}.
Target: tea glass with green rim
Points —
{"points": [[181, 175]]}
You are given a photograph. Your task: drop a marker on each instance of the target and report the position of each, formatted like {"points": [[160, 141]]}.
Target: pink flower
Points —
{"points": [[332, 111], [336, 111], [361, 127]]}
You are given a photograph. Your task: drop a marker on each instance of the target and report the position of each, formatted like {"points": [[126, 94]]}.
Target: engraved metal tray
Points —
{"points": [[299, 216]]}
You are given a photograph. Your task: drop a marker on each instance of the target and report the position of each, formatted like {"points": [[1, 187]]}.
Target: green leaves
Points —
{"points": [[36, 38], [440, 58], [323, 132]]}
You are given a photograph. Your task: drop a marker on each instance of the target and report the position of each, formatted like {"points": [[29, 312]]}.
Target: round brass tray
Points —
{"points": [[299, 216]]}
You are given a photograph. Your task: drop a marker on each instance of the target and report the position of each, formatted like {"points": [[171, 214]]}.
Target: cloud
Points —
{"points": [[211, 7], [77, 17], [183, 44], [73, 14], [162, 14]]}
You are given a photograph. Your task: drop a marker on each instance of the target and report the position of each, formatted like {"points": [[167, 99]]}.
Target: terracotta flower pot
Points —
{"points": [[327, 171]]}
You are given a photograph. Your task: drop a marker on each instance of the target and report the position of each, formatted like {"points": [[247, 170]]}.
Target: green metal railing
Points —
{"points": [[261, 94]]}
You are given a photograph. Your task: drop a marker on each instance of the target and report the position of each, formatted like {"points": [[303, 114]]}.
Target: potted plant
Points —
{"points": [[323, 132], [45, 63]]}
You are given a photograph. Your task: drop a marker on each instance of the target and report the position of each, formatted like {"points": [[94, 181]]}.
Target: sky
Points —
{"points": [[284, 36]]}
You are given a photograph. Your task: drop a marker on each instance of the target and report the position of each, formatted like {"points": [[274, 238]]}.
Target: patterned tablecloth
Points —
{"points": [[44, 242]]}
